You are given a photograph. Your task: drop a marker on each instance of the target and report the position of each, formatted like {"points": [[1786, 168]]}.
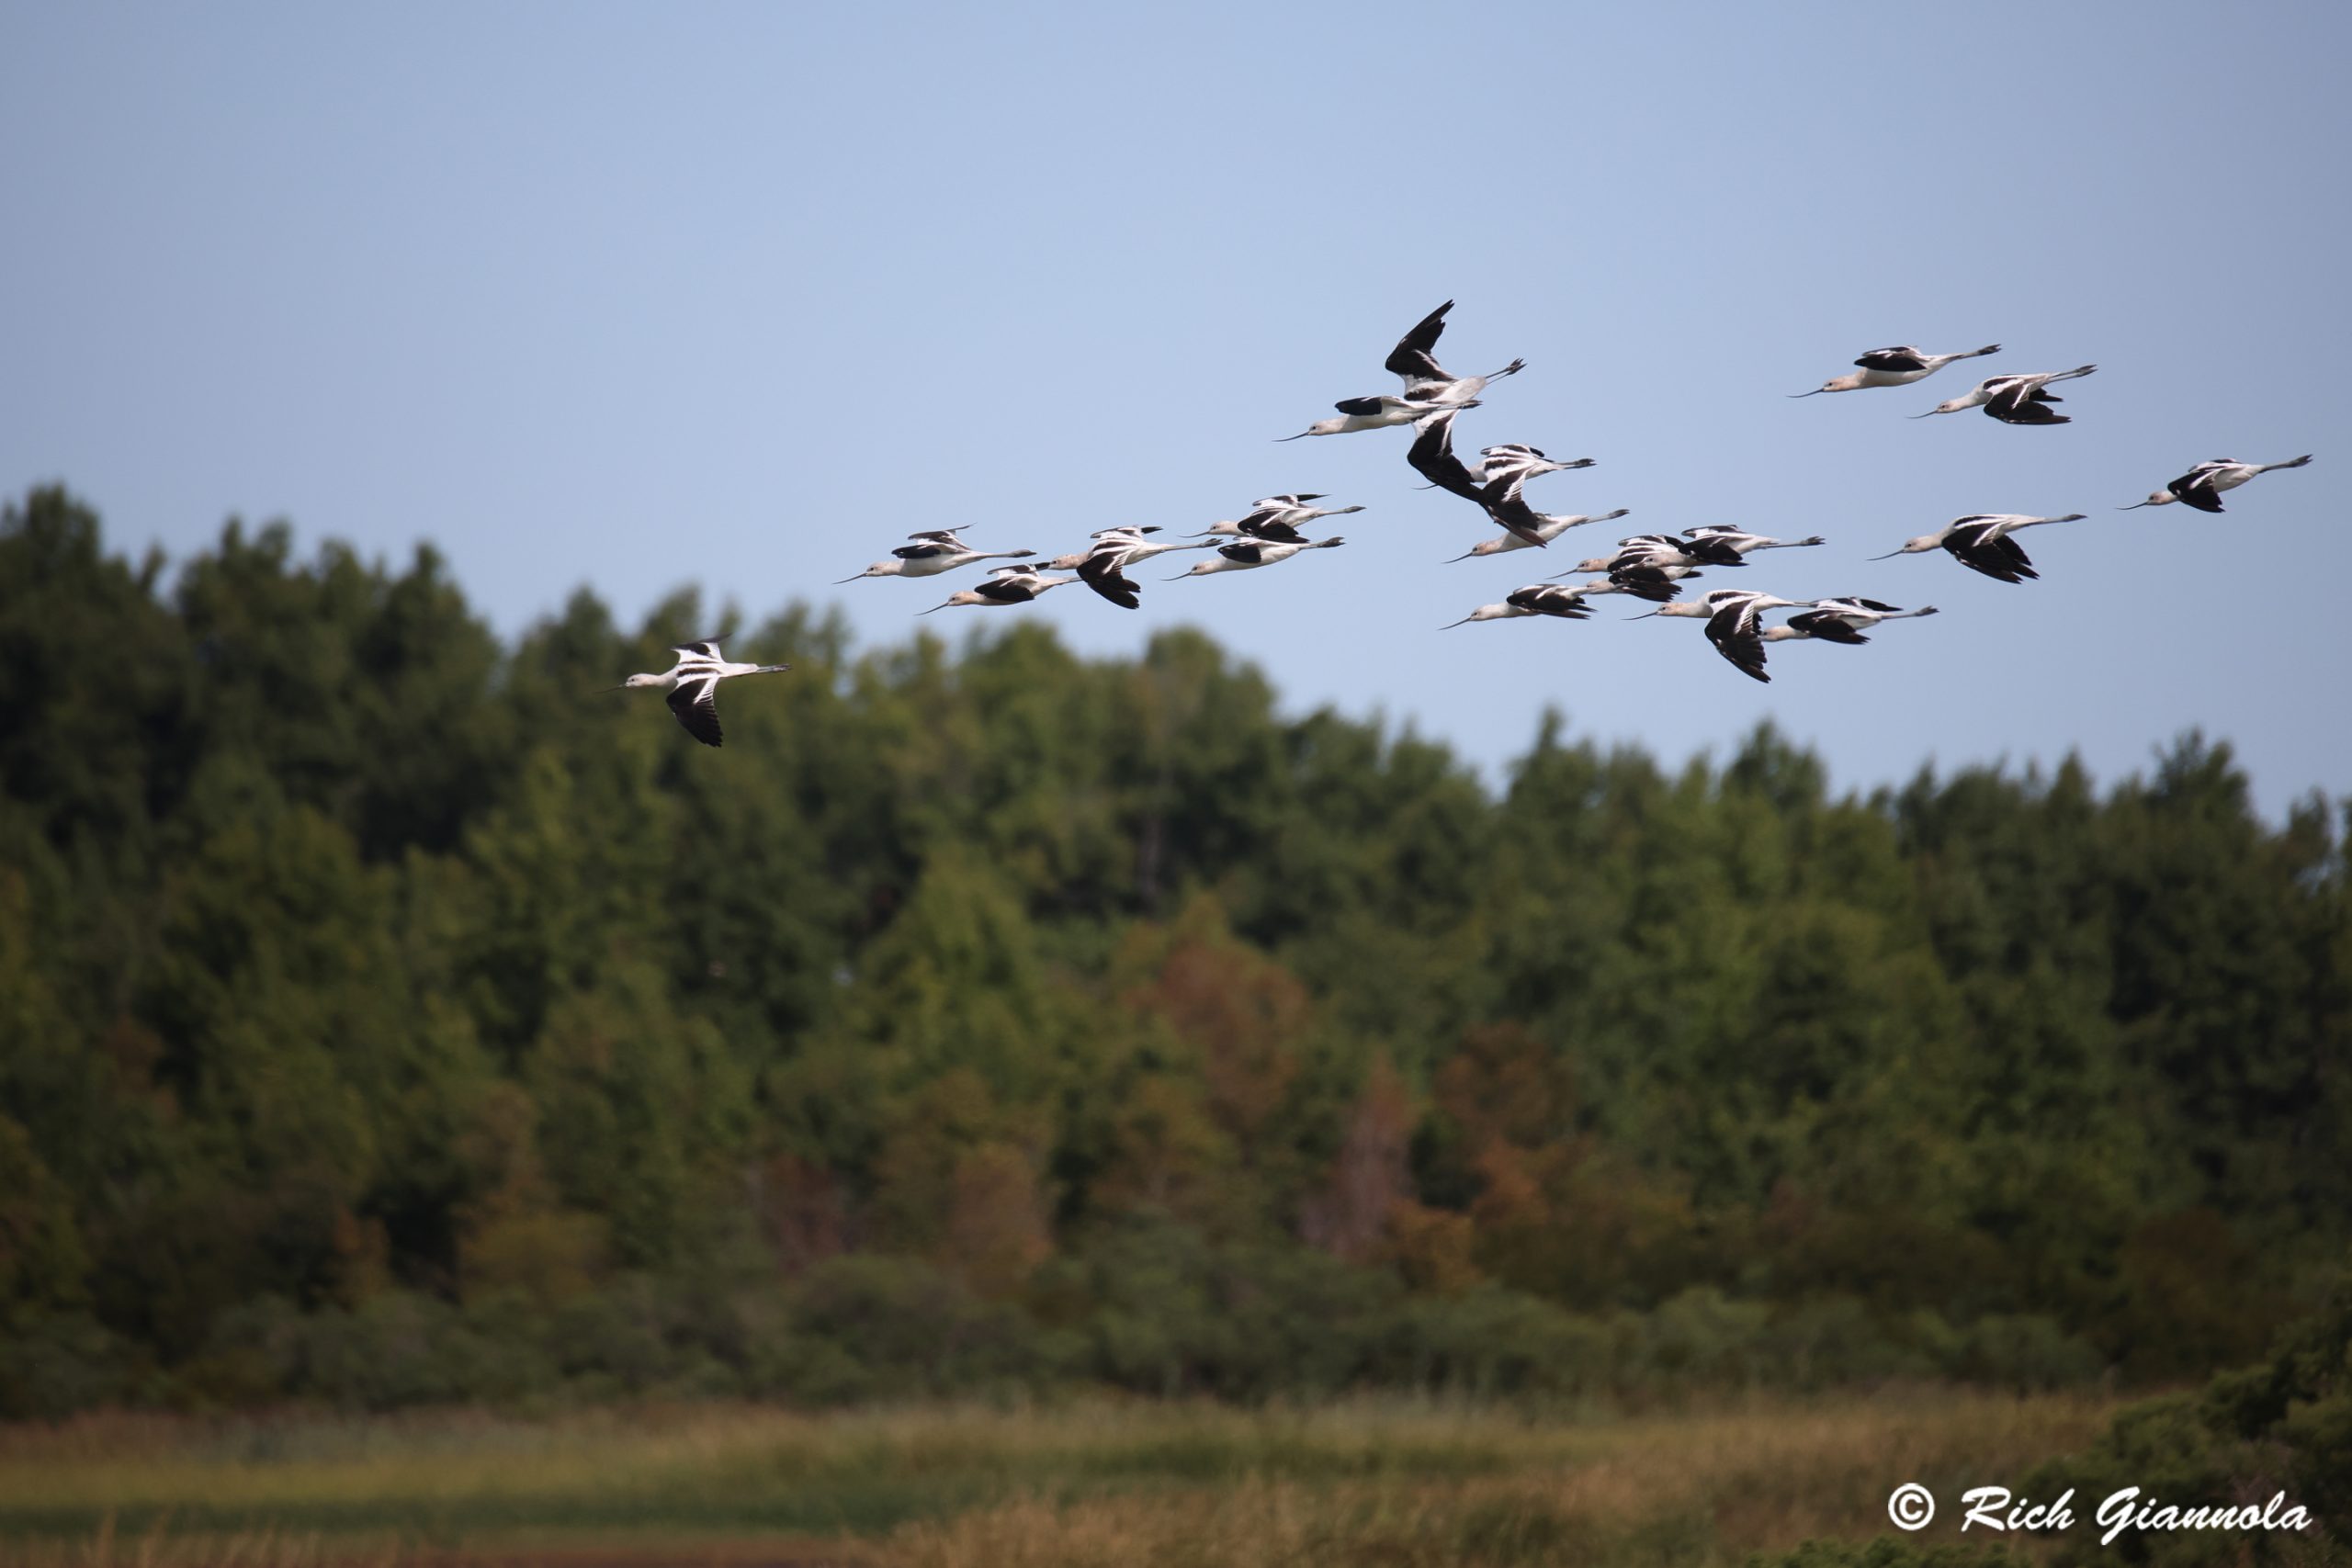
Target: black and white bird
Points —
{"points": [[1842, 620], [1744, 543], [693, 684], [2201, 487], [1245, 554], [1432, 456], [1535, 599], [1550, 527], [1289, 511], [1661, 592], [1656, 577], [1004, 586], [1735, 622], [1428, 381], [2014, 400], [1104, 571], [1128, 544], [1981, 542], [1894, 367], [933, 552], [1666, 549], [1429, 386], [1373, 413]]}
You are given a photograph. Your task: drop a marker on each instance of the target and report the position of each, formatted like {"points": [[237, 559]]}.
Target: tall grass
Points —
{"points": [[1384, 1482]]}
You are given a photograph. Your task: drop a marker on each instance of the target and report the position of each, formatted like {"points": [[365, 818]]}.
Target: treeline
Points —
{"points": [[388, 1016]]}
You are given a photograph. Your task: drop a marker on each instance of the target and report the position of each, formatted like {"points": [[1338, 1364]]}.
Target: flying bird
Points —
{"points": [[1894, 367], [1745, 543], [1429, 386], [692, 686], [1535, 599], [1432, 456], [1981, 542], [1734, 617], [2201, 487], [1249, 553], [2015, 399], [1105, 572], [1552, 526], [1004, 586], [1288, 511], [1128, 543], [1427, 380], [1842, 620], [933, 552]]}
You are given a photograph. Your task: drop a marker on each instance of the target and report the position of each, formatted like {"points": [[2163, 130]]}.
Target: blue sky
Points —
{"points": [[641, 296]]}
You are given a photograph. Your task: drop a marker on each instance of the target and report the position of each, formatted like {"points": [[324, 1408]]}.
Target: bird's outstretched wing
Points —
{"points": [[1012, 588], [1509, 507], [1827, 625], [2192, 490], [707, 648], [1432, 456], [1733, 631], [1247, 554], [696, 704], [1410, 359], [1547, 599], [2020, 403], [1905, 358], [1713, 550], [1736, 630], [1267, 525], [1100, 572]]}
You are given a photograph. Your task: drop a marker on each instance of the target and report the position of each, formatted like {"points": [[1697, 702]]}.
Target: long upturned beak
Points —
{"points": [[849, 580], [1644, 615], [2136, 506], [1463, 622], [1890, 555], [1929, 415], [1814, 392]]}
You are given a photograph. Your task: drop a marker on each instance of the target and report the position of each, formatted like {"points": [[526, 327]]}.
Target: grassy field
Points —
{"points": [[1386, 1483]]}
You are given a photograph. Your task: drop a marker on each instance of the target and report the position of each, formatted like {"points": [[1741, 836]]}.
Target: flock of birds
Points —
{"points": [[1649, 566]]}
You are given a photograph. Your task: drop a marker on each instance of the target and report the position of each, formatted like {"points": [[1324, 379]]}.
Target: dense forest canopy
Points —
{"points": [[388, 1015]]}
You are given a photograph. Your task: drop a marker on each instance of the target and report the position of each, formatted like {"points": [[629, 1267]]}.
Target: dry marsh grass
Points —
{"points": [[1402, 1484]]}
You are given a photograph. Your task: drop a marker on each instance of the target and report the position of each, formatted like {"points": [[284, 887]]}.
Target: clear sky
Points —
{"points": [[738, 295]]}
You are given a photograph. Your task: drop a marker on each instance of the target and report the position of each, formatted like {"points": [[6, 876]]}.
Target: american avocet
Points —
{"points": [[1732, 623], [1250, 553], [1005, 585], [1128, 544], [2014, 400], [1842, 620], [1552, 526], [1894, 367], [693, 684], [933, 552], [1535, 599], [1745, 543], [1432, 456], [1982, 542], [2201, 487], [1287, 510], [1424, 378]]}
